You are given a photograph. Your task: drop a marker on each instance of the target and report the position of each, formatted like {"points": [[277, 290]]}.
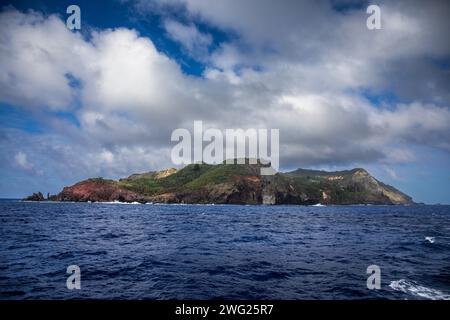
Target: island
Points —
{"points": [[203, 183]]}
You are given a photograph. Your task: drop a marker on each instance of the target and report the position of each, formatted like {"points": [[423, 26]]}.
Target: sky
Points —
{"points": [[104, 100]]}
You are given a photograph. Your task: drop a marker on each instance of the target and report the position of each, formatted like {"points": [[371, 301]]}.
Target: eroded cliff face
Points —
{"points": [[379, 190], [97, 190], [354, 186], [238, 184]]}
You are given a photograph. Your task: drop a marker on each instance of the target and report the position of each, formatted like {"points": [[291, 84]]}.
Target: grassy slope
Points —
{"points": [[148, 184], [191, 177]]}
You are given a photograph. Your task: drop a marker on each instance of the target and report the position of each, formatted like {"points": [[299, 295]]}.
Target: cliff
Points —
{"points": [[238, 184]]}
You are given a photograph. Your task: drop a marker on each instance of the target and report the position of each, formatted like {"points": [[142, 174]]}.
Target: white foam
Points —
{"points": [[417, 290], [318, 205], [116, 202], [429, 239]]}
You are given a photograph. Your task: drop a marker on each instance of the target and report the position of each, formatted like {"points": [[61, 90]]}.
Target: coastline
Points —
{"points": [[230, 204]]}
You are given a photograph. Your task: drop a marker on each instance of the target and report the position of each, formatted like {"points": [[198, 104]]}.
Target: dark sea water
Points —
{"points": [[128, 251]]}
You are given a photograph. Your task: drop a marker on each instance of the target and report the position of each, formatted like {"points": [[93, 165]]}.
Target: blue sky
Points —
{"points": [[104, 100]]}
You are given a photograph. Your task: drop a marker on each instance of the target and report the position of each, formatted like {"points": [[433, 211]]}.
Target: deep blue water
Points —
{"points": [[130, 251]]}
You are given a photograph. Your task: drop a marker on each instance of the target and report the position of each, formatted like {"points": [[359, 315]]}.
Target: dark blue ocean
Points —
{"points": [[136, 251]]}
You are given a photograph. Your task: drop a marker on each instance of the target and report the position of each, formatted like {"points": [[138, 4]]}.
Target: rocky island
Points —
{"points": [[235, 184]]}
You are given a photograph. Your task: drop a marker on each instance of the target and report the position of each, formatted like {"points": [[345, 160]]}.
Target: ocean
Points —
{"points": [[149, 251]]}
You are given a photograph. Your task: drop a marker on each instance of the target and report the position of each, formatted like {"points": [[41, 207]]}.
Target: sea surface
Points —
{"points": [[145, 251]]}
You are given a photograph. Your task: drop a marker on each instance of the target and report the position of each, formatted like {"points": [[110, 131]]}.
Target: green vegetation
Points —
{"points": [[100, 180], [192, 177], [299, 186], [218, 174], [148, 184]]}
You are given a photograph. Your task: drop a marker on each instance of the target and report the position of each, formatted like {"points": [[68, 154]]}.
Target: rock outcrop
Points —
{"points": [[35, 197]]}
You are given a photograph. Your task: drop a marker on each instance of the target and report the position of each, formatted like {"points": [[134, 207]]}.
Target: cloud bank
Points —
{"points": [[311, 70]]}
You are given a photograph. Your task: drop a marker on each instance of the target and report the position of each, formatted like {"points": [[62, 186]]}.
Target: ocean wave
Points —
{"points": [[429, 239], [413, 288], [115, 202]]}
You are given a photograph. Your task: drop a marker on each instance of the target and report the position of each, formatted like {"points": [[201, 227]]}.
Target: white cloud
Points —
{"points": [[313, 45], [132, 96], [195, 42], [21, 160], [36, 54], [391, 172]]}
